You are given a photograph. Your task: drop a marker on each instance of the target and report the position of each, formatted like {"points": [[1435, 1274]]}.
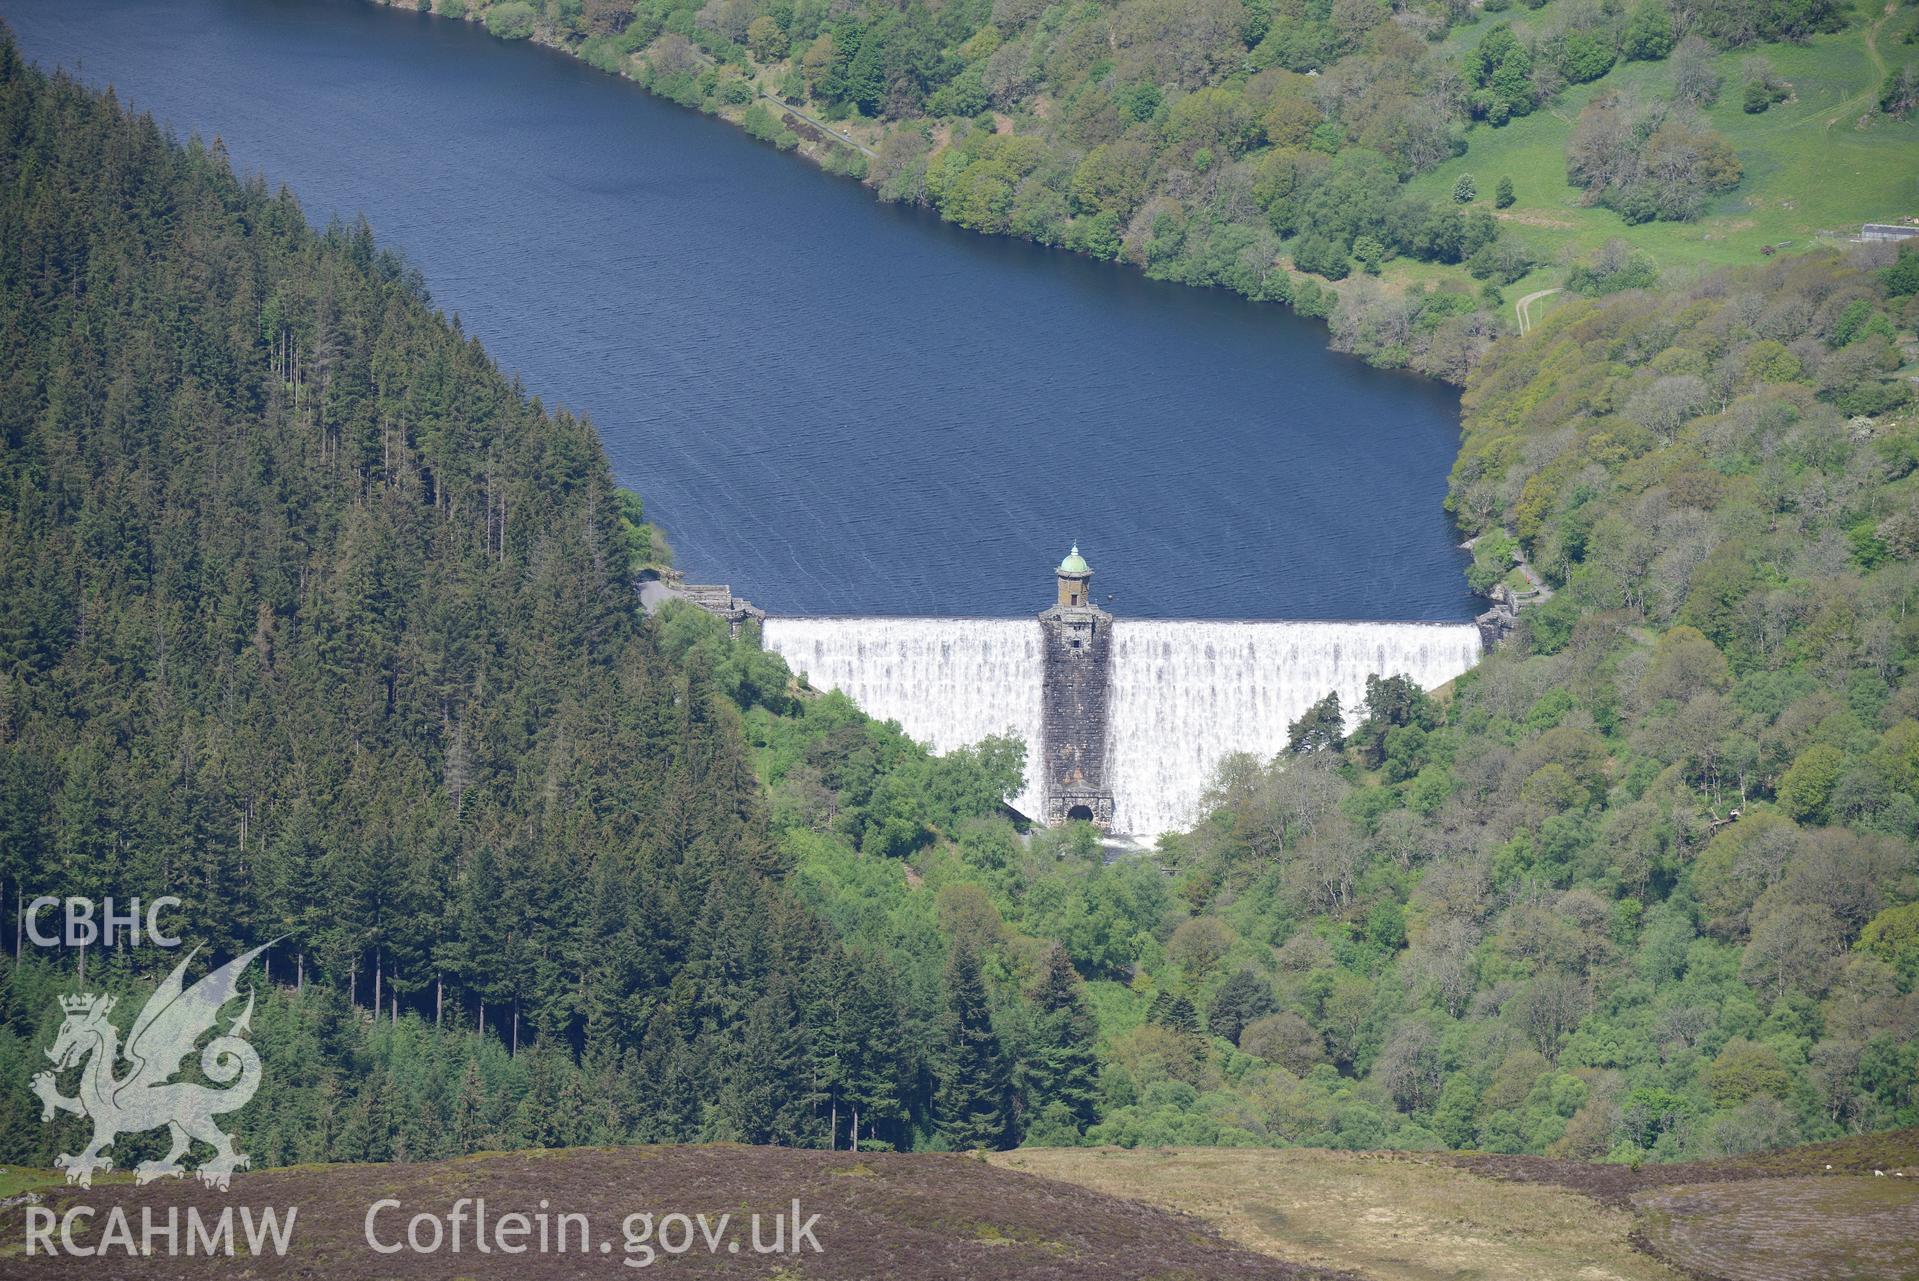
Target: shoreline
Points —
{"points": [[1316, 300], [1305, 295]]}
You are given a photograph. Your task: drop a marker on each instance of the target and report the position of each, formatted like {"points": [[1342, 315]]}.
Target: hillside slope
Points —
{"points": [[318, 615], [316, 622], [930, 1218], [1813, 1211], [1386, 1216]]}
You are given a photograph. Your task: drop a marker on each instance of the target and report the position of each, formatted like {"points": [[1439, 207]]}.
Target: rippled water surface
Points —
{"points": [[837, 406]]}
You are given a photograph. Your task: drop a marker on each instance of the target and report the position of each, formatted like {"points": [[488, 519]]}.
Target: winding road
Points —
{"points": [[1521, 307]]}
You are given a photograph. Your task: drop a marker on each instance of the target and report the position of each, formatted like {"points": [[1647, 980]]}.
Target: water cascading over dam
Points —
{"points": [[949, 682], [1188, 694], [1124, 720]]}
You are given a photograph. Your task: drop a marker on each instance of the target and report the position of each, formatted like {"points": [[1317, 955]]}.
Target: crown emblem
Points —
{"points": [[86, 1003]]}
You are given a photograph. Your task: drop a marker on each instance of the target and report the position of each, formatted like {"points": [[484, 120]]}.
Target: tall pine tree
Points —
{"points": [[1060, 1069], [973, 1102]]}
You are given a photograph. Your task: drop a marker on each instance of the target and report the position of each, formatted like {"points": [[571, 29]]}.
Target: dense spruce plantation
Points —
{"points": [[315, 619]]}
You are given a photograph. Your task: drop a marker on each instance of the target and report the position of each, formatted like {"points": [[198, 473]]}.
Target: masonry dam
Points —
{"points": [[1124, 720]]}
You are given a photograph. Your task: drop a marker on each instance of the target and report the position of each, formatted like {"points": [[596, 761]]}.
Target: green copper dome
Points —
{"points": [[1074, 563]]}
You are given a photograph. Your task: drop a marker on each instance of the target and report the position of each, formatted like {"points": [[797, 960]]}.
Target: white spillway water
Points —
{"points": [[1187, 694], [1184, 694], [949, 682]]}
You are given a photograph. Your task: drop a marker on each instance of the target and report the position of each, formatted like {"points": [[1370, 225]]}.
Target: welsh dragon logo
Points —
{"points": [[145, 1097]]}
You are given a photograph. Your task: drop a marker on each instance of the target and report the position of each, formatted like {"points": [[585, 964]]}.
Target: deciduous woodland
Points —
{"points": [[317, 620], [1400, 167]]}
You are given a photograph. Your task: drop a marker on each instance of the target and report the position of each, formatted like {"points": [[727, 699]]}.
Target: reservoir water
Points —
{"points": [[836, 406]]}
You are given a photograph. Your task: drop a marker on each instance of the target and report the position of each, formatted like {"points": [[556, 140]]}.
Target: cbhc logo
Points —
{"points": [[83, 930]]}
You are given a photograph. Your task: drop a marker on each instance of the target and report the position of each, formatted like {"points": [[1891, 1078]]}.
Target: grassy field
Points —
{"points": [[1816, 166], [1394, 1217], [1815, 1211]]}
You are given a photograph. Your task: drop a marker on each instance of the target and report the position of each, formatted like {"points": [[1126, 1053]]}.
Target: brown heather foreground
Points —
{"points": [[1833, 1211], [1778, 1216], [1199, 1214], [914, 1217]]}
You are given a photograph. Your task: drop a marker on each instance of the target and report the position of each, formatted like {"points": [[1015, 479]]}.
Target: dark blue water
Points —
{"points": [[837, 406]]}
